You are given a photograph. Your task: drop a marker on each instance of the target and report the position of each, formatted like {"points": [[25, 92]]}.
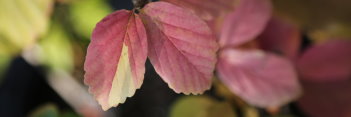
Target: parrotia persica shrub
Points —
{"points": [[179, 45], [183, 40]]}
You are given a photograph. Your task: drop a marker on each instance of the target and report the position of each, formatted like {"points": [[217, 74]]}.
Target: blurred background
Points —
{"points": [[43, 45]]}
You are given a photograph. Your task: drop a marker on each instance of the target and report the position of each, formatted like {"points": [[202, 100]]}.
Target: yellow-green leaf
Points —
{"points": [[86, 13], [23, 21], [56, 49], [201, 106], [47, 110]]}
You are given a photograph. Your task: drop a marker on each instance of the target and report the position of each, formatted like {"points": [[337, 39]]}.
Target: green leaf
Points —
{"points": [[250, 112], [4, 63], [221, 109], [192, 106], [69, 114], [56, 49], [201, 106], [47, 110], [23, 21], [85, 14]]}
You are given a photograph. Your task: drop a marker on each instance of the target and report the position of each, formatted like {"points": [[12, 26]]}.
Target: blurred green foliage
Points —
{"points": [[4, 62], [201, 106], [321, 19], [51, 110], [86, 13], [22, 22], [47, 110], [27, 26], [56, 48], [69, 114]]}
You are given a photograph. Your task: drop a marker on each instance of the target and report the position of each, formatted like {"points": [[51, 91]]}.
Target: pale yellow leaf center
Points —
{"points": [[122, 85]]}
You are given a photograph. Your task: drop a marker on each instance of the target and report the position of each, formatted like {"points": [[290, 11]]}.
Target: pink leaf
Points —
{"points": [[206, 9], [246, 22], [281, 37], [116, 57], [181, 47], [330, 61], [212, 11], [261, 79]]}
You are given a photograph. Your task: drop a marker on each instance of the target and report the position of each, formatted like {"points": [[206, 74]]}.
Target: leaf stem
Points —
{"points": [[138, 4]]}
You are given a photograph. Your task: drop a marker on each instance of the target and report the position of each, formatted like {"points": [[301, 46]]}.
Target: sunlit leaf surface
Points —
{"points": [[115, 58], [182, 48]]}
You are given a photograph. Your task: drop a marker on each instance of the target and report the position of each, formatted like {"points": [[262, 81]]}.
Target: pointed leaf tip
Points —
{"points": [[181, 47], [115, 58]]}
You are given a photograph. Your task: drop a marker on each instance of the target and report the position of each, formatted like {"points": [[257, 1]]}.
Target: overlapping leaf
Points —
{"points": [[261, 79], [247, 22], [206, 9], [116, 57], [329, 61], [182, 48], [280, 37], [325, 70]]}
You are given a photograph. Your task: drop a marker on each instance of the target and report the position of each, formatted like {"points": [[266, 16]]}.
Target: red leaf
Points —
{"points": [[281, 37], [330, 61], [116, 57], [246, 22], [261, 79], [181, 47], [206, 9], [330, 99], [212, 11]]}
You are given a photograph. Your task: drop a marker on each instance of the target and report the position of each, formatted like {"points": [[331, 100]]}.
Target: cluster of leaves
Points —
{"points": [[256, 60], [178, 43], [255, 54], [183, 51]]}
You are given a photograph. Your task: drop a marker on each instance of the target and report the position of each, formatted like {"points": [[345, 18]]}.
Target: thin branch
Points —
{"points": [[138, 4]]}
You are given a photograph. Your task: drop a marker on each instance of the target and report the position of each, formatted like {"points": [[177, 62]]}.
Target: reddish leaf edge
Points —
{"points": [[169, 84], [132, 14]]}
